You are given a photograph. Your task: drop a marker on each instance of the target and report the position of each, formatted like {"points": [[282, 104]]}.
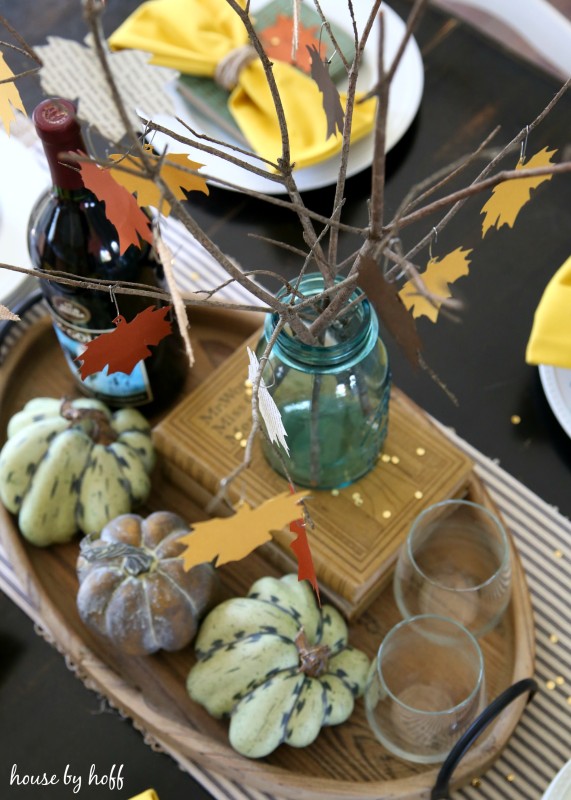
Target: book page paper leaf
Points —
{"points": [[277, 42], [5, 313], [331, 100], [148, 193], [10, 99], [268, 409], [437, 277], [508, 198], [72, 69], [385, 299], [121, 208], [233, 538], [122, 349]]}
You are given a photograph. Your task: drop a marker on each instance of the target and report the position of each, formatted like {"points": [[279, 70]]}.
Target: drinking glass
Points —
{"points": [[455, 563], [425, 688]]}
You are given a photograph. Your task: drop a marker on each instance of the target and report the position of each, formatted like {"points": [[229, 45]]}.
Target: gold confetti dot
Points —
{"points": [[386, 458], [356, 495], [275, 40], [553, 638], [358, 501], [243, 442], [395, 459], [558, 553], [559, 680], [248, 384], [510, 778], [515, 419], [569, 701], [420, 451], [418, 494], [387, 514], [550, 685], [195, 276], [476, 782], [335, 492], [238, 435]]}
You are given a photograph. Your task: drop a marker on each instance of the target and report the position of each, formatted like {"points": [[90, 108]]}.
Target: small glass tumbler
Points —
{"points": [[455, 563], [425, 688]]}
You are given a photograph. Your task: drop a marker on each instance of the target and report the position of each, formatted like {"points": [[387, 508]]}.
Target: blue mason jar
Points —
{"points": [[333, 397]]}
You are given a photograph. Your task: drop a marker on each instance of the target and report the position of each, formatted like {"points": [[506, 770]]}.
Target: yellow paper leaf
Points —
{"points": [[232, 538], [437, 277], [148, 194], [509, 197], [10, 99]]}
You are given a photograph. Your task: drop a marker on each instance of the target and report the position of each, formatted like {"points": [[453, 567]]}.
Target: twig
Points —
{"points": [[480, 186]]}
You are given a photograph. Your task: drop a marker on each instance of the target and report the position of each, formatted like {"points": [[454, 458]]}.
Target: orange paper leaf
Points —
{"points": [[122, 349], [385, 299], [233, 538], [508, 198], [331, 101], [148, 194], [121, 208], [300, 546], [437, 277], [277, 42], [10, 99]]}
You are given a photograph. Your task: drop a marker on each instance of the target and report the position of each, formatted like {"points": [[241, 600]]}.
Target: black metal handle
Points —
{"points": [[441, 790]]}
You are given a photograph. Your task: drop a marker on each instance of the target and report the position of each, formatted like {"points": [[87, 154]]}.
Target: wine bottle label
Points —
{"points": [[115, 389]]}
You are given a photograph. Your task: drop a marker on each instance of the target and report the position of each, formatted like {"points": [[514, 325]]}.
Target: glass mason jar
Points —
{"points": [[333, 397]]}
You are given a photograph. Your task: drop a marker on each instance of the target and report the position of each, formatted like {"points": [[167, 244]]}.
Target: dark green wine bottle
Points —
{"points": [[70, 233]]}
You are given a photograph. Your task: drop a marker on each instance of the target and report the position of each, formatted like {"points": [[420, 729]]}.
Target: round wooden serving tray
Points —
{"points": [[346, 761]]}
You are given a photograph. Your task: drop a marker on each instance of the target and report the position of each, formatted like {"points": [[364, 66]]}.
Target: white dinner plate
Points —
{"points": [[22, 183], [556, 383], [560, 787], [405, 96]]}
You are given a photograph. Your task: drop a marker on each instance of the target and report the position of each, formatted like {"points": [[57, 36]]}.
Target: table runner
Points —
{"points": [[541, 743]]}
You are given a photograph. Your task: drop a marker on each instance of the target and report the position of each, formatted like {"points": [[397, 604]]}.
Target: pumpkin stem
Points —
{"points": [[313, 660], [136, 560], [101, 431]]}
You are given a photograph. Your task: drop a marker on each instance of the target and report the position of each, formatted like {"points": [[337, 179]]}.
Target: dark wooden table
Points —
{"points": [[47, 719]]}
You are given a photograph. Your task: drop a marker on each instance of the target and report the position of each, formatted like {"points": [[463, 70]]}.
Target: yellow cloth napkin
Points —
{"points": [[150, 794], [192, 36], [550, 339]]}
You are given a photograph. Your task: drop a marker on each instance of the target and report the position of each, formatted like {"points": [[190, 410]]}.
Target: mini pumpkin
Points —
{"points": [[279, 665], [73, 465], [134, 589]]}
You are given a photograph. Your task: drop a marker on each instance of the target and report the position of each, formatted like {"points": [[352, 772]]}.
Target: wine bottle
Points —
{"points": [[70, 233]]}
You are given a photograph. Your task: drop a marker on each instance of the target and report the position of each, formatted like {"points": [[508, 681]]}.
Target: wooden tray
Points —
{"points": [[345, 761]]}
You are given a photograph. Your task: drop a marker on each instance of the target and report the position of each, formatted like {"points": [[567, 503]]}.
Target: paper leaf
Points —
{"points": [[5, 313], [277, 42], [72, 69], [508, 198], [268, 409], [122, 349], [148, 194], [121, 208], [331, 100], [437, 277], [10, 99], [385, 299], [233, 538], [300, 546]]}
